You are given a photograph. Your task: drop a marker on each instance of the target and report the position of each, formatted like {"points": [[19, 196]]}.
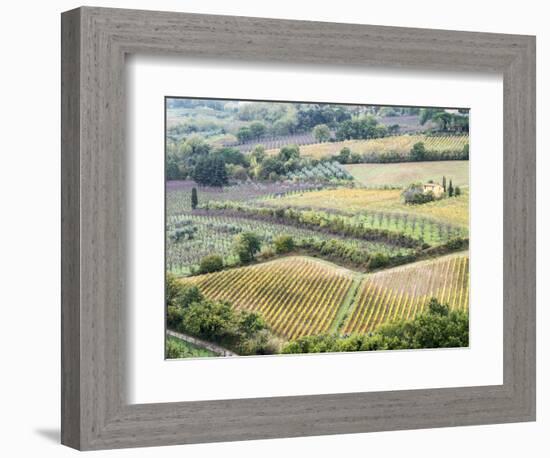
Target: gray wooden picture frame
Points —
{"points": [[95, 412]]}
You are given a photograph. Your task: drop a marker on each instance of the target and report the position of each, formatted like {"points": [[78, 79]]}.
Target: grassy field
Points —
{"points": [[403, 292], [296, 295], [454, 210], [400, 144], [182, 349], [405, 173]]}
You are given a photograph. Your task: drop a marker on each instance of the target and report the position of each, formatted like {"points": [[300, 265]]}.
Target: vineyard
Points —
{"points": [[178, 193], [434, 222], [299, 296], [403, 292], [296, 296], [400, 144], [382, 208], [407, 124], [301, 246], [274, 142], [192, 236]]}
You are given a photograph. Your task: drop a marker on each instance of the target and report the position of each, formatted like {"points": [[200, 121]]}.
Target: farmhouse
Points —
{"points": [[436, 188]]}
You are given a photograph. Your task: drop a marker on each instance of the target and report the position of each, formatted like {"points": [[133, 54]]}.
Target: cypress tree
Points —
{"points": [[194, 198], [451, 190], [444, 183]]}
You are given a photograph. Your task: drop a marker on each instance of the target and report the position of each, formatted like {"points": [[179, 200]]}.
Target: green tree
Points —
{"points": [[450, 189], [210, 171], [219, 173], [427, 114], [238, 172], [378, 260], [257, 129], [271, 167], [178, 298], [246, 245], [244, 134], [249, 323], [418, 152], [443, 120], [285, 126], [344, 156], [210, 263], [284, 244], [444, 183], [173, 171], [258, 153], [194, 198], [232, 156], [362, 127], [321, 132], [209, 319], [192, 148], [179, 295], [457, 191], [289, 152]]}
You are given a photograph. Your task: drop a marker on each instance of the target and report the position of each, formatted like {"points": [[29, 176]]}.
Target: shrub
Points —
{"points": [[211, 263], [208, 319], [438, 327], [415, 195], [210, 171], [418, 152], [288, 152], [246, 245], [344, 155], [217, 321], [263, 343], [179, 295], [321, 132], [284, 244], [456, 244], [173, 350], [378, 260], [267, 252], [174, 315]]}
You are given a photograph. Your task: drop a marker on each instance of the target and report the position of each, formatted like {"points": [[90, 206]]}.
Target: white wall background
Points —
{"points": [[29, 228]]}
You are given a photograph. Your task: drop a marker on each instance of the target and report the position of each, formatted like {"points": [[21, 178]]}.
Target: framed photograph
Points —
{"points": [[314, 227], [287, 228]]}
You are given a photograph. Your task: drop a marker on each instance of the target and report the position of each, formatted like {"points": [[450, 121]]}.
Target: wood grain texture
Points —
{"points": [[96, 414], [70, 229]]}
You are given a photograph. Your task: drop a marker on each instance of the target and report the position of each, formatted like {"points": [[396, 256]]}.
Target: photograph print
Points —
{"points": [[298, 227]]}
